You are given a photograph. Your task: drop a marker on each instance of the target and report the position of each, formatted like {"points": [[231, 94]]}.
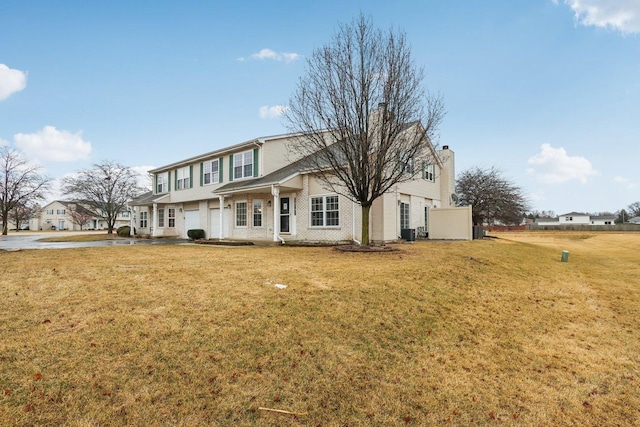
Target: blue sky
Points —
{"points": [[547, 91]]}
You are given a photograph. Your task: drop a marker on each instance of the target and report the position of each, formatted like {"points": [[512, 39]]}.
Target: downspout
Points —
{"points": [[353, 223]]}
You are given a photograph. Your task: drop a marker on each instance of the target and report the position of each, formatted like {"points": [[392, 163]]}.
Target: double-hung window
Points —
{"points": [[428, 171], [243, 165], [211, 172], [404, 215], [325, 211], [49, 211], [162, 183], [183, 176], [257, 213], [241, 214], [161, 218], [60, 211], [143, 219], [171, 217]]}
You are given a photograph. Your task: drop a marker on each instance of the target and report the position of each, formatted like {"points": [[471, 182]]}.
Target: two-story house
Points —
{"points": [[253, 191], [73, 215]]}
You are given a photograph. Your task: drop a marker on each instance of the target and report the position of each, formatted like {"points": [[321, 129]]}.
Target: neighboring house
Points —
{"points": [[634, 220], [57, 216], [250, 191], [576, 218]]}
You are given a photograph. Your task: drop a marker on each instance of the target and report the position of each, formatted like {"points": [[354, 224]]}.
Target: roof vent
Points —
{"points": [[445, 147]]}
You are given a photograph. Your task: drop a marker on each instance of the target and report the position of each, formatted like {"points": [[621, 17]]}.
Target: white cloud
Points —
{"points": [[625, 182], [54, 145], [3, 143], [621, 15], [11, 81], [553, 165], [276, 56], [267, 112]]}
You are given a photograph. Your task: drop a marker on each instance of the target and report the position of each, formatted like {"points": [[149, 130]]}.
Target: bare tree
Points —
{"points": [[353, 151], [79, 214], [106, 188], [633, 209], [492, 196], [23, 213], [20, 184]]}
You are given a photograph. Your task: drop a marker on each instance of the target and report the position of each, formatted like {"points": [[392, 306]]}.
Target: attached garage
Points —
{"points": [[191, 220]]}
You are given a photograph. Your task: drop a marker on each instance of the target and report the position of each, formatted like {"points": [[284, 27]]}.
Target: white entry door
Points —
{"points": [[215, 223], [191, 221]]}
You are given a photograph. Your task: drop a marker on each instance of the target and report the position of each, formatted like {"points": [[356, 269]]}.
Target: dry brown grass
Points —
{"points": [[472, 333]]}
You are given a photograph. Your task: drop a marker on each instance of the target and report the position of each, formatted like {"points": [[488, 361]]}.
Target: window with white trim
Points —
{"points": [[143, 219], [257, 213], [49, 211], [243, 165], [162, 182], [211, 172], [182, 177], [241, 214], [428, 171], [161, 218], [60, 211], [171, 217], [404, 216], [325, 211]]}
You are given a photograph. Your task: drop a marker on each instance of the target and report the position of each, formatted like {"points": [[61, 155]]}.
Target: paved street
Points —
{"points": [[29, 240]]}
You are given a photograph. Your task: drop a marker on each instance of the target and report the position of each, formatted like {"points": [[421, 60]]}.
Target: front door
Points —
{"points": [[284, 215]]}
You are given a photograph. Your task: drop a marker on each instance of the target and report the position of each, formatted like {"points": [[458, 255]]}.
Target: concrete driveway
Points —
{"points": [[29, 240]]}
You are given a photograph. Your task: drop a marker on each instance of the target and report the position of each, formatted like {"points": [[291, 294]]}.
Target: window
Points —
{"points": [[428, 172], [160, 217], [183, 176], [162, 182], [243, 165], [143, 219], [257, 213], [404, 216], [210, 173], [325, 211], [426, 217], [241, 214], [124, 214], [49, 211], [405, 163], [60, 211], [172, 217]]}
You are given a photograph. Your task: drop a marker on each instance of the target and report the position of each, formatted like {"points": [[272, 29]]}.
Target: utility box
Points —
{"points": [[478, 232], [408, 234], [565, 256]]}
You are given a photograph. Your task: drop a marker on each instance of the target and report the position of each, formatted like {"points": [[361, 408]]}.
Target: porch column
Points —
{"points": [[221, 200], [132, 221], [275, 191], [154, 223]]}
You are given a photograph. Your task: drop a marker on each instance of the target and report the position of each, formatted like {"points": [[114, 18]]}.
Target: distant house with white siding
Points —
{"points": [[576, 218]]}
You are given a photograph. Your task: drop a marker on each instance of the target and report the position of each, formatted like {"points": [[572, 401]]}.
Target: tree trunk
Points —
{"points": [[5, 228], [365, 224]]}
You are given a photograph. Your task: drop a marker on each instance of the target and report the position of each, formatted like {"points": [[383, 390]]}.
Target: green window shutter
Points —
{"points": [[424, 169], [201, 173], [255, 162], [190, 176], [155, 187], [169, 181], [220, 171], [231, 167], [175, 180]]}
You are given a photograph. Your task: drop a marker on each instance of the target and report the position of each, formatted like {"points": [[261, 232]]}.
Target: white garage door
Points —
{"points": [[191, 221], [215, 223]]}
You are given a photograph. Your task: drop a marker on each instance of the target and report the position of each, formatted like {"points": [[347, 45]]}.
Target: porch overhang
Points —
{"points": [[291, 183]]}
